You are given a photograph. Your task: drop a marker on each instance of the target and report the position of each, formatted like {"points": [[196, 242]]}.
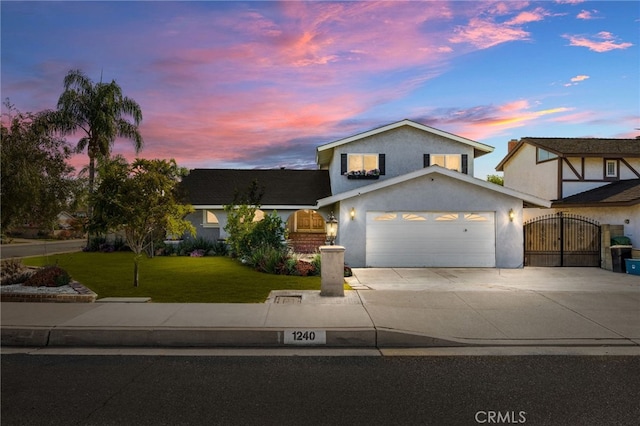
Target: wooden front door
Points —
{"points": [[309, 221]]}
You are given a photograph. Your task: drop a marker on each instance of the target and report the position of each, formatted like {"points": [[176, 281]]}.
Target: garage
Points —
{"points": [[430, 239]]}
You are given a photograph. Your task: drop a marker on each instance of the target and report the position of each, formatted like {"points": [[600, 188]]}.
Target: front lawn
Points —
{"points": [[174, 279]]}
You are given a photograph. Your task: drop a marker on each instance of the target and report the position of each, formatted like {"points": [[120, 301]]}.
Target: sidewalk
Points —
{"points": [[487, 312]]}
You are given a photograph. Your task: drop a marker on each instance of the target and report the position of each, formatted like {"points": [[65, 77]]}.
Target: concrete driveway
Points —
{"points": [[492, 279]]}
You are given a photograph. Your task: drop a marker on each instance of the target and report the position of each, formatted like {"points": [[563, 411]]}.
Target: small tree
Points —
{"points": [[240, 216], [497, 179], [140, 199]]}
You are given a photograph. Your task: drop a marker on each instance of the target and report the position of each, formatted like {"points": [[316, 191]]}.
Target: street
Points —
{"points": [[272, 390], [40, 248]]}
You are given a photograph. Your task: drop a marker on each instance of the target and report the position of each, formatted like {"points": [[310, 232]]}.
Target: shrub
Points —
{"points": [[95, 243], [13, 272], [49, 276], [316, 261], [304, 269], [270, 260]]}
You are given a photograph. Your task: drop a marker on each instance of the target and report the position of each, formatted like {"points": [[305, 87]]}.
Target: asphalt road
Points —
{"points": [[462, 390], [40, 248]]}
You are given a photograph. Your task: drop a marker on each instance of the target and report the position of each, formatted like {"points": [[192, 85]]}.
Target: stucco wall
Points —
{"points": [[523, 174], [214, 234], [433, 193], [404, 150]]}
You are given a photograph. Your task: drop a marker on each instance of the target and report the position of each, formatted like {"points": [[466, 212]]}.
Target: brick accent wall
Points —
{"points": [[303, 242]]}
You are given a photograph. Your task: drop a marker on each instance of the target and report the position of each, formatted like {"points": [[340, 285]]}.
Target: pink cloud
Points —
{"points": [[604, 41], [587, 14], [535, 15], [483, 33]]}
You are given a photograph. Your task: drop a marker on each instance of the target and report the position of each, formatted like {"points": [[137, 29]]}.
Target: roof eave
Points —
{"points": [[479, 149], [527, 198]]}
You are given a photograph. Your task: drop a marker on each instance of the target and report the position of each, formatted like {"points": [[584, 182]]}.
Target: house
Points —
{"points": [[293, 194], [595, 179], [404, 195]]}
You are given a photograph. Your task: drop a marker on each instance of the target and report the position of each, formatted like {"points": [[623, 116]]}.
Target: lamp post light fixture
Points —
{"points": [[332, 229]]}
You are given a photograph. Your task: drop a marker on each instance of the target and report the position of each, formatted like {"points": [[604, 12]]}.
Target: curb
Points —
{"points": [[262, 338], [175, 337]]}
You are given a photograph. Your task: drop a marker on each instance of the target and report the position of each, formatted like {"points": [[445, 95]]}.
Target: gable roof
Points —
{"points": [[529, 200], [579, 147], [214, 188], [325, 152], [619, 193]]}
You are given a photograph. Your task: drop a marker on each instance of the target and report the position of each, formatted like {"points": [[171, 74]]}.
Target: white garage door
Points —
{"points": [[431, 239]]}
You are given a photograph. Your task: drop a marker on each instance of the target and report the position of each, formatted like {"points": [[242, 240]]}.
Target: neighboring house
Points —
{"points": [[65, 220], [404, 196], [597, 179]]}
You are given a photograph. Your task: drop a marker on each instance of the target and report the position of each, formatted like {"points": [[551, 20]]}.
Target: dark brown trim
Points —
{"points": [[635, 172], [559, 180], [575, 172]]}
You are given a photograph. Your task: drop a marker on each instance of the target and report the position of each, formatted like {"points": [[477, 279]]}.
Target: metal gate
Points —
{"points": [[561, 240]]}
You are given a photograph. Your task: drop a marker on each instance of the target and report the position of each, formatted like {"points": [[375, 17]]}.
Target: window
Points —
{"points": [[210, 220], [362, 162], [448, 161], [359, 165], [544, 155], [611, 168]]}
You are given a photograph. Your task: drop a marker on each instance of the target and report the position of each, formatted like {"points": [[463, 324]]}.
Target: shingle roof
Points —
{"points": [[620, 193], [587, 146], [579, 147], [281, 186]]}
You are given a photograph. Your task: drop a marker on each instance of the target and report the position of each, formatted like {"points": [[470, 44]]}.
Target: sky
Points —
{"points": [[262, 84]]}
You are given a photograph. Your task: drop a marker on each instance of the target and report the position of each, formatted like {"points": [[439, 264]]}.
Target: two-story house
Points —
{"points": [[596, 179], [404, 195]]}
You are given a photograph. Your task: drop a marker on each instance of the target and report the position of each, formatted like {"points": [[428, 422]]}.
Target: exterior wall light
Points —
{"points": [[512, 215], [353, 213], [332, 229]]}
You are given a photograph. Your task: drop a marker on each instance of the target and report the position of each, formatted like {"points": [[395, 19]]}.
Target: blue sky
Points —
{"points": [[261, 84]]}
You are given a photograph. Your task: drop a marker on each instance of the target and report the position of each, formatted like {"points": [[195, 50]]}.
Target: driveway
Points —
{"points": [[493, 279]]}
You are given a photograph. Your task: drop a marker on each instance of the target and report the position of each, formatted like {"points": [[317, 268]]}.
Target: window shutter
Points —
{"points": [[343, 164], [381, 163], [465, 164], [426, 160]]}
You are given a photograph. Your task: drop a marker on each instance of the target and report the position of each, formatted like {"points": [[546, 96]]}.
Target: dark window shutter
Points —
{"points": [[427, 160], [381, 163], [343, 164], [465, 164]]}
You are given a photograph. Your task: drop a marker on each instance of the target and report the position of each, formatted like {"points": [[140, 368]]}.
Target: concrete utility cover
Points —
{"points": [[288, 299]]}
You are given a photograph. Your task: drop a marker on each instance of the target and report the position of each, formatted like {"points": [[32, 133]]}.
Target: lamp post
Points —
{"points": [[332, 229]]}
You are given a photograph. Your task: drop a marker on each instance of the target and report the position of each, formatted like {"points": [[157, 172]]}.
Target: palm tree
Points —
{"points": [[99, 112]]}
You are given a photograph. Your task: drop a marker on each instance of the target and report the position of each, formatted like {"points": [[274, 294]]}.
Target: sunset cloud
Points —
{"points": [[485, 33], [604, 41], [261, 84], [577, 79], [587, 14]]}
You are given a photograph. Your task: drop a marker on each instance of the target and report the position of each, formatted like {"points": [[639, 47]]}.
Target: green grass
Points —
{"points": [[174, 279]]}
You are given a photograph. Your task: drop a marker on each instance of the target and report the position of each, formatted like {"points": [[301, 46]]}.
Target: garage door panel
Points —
{"points": [[431, 239]]}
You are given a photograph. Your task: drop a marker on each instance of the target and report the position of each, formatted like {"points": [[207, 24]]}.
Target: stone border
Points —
{"points": [[84, 295]]}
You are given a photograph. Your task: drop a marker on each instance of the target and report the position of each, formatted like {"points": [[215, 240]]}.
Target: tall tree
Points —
{"points": [[141, 200], [36, 182], [100, 113]]}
